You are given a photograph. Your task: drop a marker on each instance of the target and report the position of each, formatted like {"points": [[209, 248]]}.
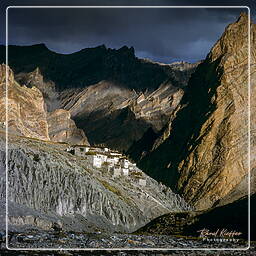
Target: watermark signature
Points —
{"points": [[219, 235]]}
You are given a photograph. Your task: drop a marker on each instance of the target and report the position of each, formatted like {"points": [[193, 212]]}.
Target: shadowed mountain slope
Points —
{"points": [[88, 66], [204, 153]]}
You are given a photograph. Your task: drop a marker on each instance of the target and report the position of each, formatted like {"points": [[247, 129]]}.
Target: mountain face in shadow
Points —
{"points": [[230, 217], [204, 150], [86, 67], [99, 85]]}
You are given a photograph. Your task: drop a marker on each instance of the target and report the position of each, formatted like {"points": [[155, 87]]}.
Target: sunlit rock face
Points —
{"points": [[36, 79], [204, 150], [26, 111], [63, 129]]}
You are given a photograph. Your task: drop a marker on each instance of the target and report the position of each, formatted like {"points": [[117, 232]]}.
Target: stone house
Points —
{"points": [[78, 150]]}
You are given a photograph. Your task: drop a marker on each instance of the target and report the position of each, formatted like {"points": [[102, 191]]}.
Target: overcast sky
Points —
{"points": [[164, 35]]}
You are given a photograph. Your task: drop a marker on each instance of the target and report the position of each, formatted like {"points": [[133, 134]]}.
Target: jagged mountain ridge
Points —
{"points": [[114, 109], [204, 150], [89, 66]]}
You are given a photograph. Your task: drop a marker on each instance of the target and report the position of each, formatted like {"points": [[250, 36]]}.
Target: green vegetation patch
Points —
{"points": [[110, 188]]}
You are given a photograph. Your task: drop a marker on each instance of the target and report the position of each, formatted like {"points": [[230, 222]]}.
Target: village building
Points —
{"points": [[98, 160], [115, 154], [117, 171], [114, 161], [125, 171], [142, 182], [124, 162]]}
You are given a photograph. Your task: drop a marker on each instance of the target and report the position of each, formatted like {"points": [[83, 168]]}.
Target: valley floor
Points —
{"points": [[62, 239]]}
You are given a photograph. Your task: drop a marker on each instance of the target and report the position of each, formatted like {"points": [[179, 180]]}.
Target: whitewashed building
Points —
{"points": [[116, 163], [117, 171], [98, 160], [142, 182], [125, 171], [115, 154], [124, 163]]}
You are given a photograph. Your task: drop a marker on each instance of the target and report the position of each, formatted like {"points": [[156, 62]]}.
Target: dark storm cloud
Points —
{"points": [[160, 34]]}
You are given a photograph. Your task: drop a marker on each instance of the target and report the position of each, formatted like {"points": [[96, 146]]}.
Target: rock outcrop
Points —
{"points": [[26, 112], [63, 129], [27, 109], [35, 78], [204, 154]]}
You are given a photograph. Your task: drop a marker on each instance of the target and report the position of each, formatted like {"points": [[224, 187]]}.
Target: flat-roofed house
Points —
{"points": [[125, 171], [98, 160], [142, 182], [117, 171], [124, 163], [81, 150]]}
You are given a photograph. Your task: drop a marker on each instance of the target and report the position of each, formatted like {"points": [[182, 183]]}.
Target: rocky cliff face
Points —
{"points": [[204, 153], [36, 79], [44, 177], [26, 112], [63, 129], [116, 116]]}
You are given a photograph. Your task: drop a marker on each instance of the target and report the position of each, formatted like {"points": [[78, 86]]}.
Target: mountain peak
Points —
{"points": [[234, 38], [243, 17], [126, 49]]}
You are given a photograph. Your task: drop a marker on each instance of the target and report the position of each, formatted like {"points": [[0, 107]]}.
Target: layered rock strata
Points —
{"points": [[26, 112], [27, 109], [204, 153]]}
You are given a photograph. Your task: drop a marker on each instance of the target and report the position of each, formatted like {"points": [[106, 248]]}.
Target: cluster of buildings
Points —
{"points": [[113, 161]]}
